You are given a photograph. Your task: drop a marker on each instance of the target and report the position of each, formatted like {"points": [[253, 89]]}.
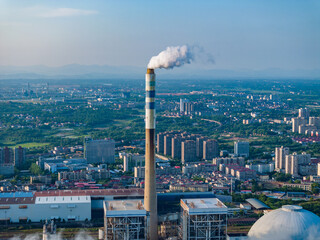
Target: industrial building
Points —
{"points": [[203, 219], [35, 209], [257, 204], [150, 191], [288, 222], [125, 220], [70, 205]]}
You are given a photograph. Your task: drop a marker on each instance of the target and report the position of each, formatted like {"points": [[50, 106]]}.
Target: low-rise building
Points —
{"points": [[189, 188], [303, 186], [261, 168]]}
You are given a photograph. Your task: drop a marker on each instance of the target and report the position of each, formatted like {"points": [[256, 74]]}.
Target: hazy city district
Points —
{"points": [[159, 120], [227, 152]]}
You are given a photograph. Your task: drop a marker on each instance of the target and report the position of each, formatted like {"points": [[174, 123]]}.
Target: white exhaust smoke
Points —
{"points": [[172, 57], [178, 56], [79, 236]]}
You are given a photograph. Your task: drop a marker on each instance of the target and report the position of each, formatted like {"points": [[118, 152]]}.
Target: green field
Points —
{"points": [[29, 145]]}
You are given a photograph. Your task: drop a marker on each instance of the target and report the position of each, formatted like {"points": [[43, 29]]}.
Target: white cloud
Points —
{"points": [[65, 12]]}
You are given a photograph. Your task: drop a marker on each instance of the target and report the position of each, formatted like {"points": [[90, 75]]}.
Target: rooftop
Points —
{"points": [[124, 208], [15, 194], [64, 199], [125, 205], [92, 192], [17, 200], [198, 205], [257, 204]]}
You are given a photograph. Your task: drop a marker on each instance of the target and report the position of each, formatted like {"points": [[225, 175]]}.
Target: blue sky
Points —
{"points": [[239, 34]]}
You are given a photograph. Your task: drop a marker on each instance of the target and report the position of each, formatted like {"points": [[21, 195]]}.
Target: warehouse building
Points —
{"points": [[35, 209], [68, 205]]}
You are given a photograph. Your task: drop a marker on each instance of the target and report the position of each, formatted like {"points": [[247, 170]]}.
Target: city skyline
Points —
{"points": [[225, 146]]}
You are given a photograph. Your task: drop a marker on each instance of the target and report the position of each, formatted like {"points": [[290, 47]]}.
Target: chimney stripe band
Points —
{"points": [[150, 88], [151, 83], [151, 94], [150, 105]]}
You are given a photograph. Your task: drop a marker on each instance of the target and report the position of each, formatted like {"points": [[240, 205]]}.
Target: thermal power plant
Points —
{"points": [[125, 220], [203, 219], [150, 193], [169, 58]]}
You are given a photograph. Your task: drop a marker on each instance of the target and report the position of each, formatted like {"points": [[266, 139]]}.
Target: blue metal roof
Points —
{"points": [[15, 194]]}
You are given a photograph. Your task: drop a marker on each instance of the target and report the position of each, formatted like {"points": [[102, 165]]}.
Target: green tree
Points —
{"points": [[315, 188], [35, 169]]}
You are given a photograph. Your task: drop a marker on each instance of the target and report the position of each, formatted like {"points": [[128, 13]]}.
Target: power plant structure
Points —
{"points": [[125, 220], [150, 192], [203, 219]]}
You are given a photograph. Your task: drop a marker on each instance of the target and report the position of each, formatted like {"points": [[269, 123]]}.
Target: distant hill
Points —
{"points": [[121, 72]]}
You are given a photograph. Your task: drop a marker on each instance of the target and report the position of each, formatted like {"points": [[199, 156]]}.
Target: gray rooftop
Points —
{"points": [[257, 204]]}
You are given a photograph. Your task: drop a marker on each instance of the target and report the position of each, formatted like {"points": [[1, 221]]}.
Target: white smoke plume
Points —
{"points": [[178, 56]]}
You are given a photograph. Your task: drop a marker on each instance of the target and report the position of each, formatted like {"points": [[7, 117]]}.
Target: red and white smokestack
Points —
{"points": [[150, 193]]}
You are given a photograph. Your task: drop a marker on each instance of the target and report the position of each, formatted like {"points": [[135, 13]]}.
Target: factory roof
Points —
{"points": [[257, 204], [15, 194], [125, 208], [203, 205], [92, 192], [17, 200], [63, 199]]}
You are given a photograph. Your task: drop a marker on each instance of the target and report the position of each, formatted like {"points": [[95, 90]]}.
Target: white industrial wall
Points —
{"points": [[37, 212]]}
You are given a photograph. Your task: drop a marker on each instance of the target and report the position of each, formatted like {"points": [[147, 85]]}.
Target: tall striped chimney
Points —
{"points": [[150, 193]]}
